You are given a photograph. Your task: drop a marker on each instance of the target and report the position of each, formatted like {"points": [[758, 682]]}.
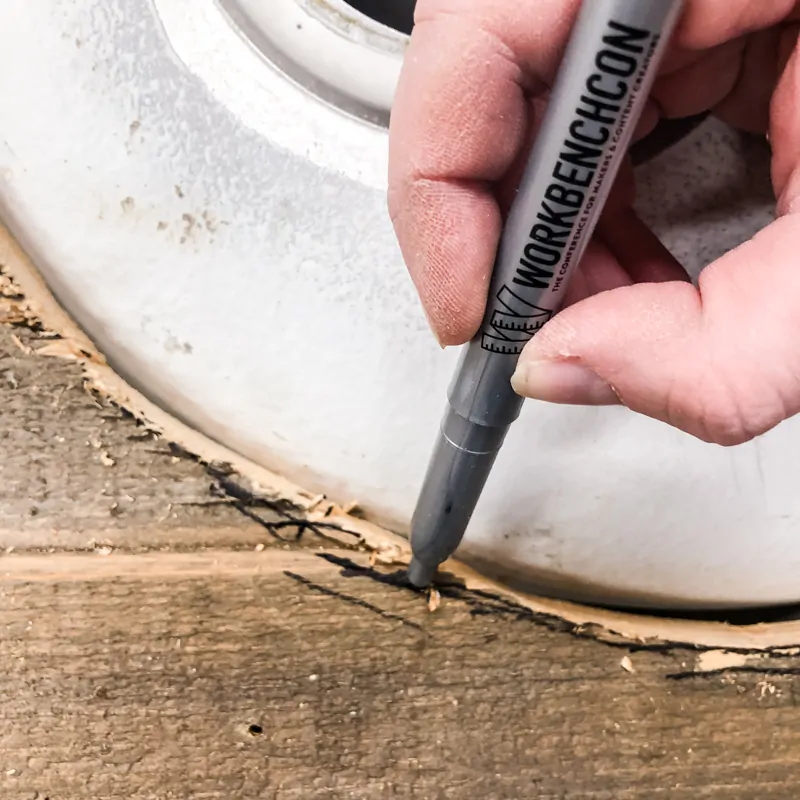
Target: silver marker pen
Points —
{"points": [[598, 97]]}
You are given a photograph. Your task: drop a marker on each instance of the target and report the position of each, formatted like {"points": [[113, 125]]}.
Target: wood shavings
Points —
{"points": [[718, 660], [314, 502], [57, 397], [101, 548], [434, 600], [627, 665], [12, 314], [103, 456], [8, 287], [20, 345], [387, 554], [766, 688], [61, 348], [91, 393]]}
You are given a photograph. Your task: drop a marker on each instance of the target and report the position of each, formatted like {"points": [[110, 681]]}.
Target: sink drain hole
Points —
{"points": [[397, 14]]}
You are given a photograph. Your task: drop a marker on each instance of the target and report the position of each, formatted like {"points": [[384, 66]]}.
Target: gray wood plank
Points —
{"points": [[279, 674], [185, 664]]}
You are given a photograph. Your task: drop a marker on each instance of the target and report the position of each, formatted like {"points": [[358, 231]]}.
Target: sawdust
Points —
{"points": [[388, 554], [627, 664], [718, 660], [19, 344], [62, 348]]}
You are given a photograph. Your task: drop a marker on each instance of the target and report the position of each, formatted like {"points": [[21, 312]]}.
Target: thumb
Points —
{"points": [[720, 361]]}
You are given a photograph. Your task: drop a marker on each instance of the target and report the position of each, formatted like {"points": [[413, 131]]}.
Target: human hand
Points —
{"points": [[720, 361]]}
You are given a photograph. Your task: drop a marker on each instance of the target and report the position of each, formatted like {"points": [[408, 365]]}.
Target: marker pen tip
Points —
{"points": [[420, 575]]}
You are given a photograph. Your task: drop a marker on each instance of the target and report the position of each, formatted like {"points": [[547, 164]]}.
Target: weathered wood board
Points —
{"points": [[150, 647]]}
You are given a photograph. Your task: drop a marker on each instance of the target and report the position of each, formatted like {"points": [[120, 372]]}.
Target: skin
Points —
{"points": [[720, 361]]}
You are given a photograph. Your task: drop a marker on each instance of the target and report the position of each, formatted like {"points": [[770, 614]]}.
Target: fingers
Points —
{"points": [[599, 271], [625, 252], [708, 23], [747, 105], [735, 79], [785, 127], [721, 362], [459, 121], [702, 83], [459, 124], [638, 250]]}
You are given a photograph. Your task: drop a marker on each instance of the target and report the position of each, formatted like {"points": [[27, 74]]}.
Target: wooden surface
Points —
{"points": [[152, 648]]}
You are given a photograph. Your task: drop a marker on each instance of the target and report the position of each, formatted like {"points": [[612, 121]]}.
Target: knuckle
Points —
{"points": [[726, 429], [728, 413]]}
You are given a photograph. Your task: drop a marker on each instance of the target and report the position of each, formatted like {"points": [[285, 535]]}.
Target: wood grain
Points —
{"points": [[298, 679], [149, 651]]}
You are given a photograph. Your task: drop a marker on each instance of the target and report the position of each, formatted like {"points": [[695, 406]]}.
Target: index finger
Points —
{"points": [[460, 119]]}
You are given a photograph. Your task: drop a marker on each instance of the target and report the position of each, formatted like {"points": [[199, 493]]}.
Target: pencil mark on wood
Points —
{"points": [[766, 671], [354, 601], [251, 505]]}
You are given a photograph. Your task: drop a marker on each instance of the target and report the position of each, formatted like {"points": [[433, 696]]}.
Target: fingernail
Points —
{"points": [[562, 382]]}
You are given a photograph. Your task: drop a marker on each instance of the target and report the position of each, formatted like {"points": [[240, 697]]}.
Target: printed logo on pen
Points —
{"points": [[512, 324]]}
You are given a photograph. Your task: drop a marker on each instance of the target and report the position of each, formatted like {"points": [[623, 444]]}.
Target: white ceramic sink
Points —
{"points": [[221, 233]]}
